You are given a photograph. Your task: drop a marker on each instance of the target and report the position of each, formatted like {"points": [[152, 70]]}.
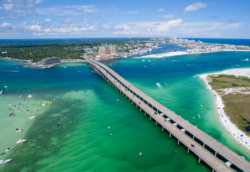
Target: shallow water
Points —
{"points": [[71, 134]]}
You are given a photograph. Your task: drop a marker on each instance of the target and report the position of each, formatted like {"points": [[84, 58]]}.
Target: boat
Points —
{"points": [[15, 106], [20, 104], [28, 111], [202, 105], [29, 96], [19, 130], [12, 115], [5, 86], [21, 141], [118, 100], [247, 59], [19, 110], [2, 153], [7, 150], [20, 96], [1, 92], [5, 161], [10, 109], [143, 60], [32, 117]]}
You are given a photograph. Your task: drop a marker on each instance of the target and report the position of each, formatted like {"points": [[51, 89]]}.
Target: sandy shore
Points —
{"points": [[164, 55], [231, 128]]}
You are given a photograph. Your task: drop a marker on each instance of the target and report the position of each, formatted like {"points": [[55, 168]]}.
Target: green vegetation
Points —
{"points": [[237, 105], [226, 81], [63, 50]]}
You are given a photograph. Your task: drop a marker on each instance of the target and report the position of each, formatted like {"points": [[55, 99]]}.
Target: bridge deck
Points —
{"points": [[129, 90]]}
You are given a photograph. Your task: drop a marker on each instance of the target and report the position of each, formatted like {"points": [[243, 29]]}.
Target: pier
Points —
{"points": [[211, 152]]}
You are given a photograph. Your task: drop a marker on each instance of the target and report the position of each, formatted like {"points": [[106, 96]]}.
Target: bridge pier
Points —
{"points": [[156, 123], [145, 114], [162, 129], [150, 118], [169, 134], [188, 150], [178, 142], [193, 137], [203, 145], [199, 160], [215, 154]]}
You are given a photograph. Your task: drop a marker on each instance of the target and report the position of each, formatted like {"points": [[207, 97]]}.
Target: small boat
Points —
{"points": [[19, 110], [29, 96], [202, 105], [15, 106], [5, 161], [25, 100], [10, 109], [32, 117], [28, 111], [20, 96], [12, 115], [21, 141], [5, 86], [247, 59], [118, 100], [2, 153], [1, 92], [19, 130], [7, 150], [143, 60]]}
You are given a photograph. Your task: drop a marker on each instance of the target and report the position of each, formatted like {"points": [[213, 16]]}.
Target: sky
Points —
{"points": [[30, 19]]}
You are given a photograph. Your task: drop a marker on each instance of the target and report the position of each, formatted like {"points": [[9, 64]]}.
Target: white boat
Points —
{"points": [[21, 140], [29, 96], [5, 86], [5, 161], [247, 59], [32, 117], [19, 130], [7, 150], [143, 60], [1, 92]]}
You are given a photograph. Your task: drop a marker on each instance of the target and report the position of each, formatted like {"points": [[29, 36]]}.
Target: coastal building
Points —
{"points": [[4, 52], [50, 61], [112, 49], [242, 47]]}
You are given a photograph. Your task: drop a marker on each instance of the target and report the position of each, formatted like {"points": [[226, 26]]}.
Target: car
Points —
{"points": [[192, 145]]}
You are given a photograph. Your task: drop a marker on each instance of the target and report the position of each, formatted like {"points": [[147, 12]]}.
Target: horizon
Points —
{"points": [[42, 19]]}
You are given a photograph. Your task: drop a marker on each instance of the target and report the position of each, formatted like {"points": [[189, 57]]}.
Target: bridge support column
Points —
{"points": [[155, 123], [136, 105], [169, 134], [140, 109], [188, 150], [215, 154], [178, 142], [162, 129], [199, 160], [203, 145], [150, 118], [132, 101], [145, 113], [213, 170], [193, 137]]}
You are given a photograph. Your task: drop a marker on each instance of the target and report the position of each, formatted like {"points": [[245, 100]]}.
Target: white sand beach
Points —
{"points": [[164, 55], [232, 128]]}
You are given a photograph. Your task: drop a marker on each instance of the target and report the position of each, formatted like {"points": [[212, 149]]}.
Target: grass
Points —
{"points": [[237, 106], [226, 81]]}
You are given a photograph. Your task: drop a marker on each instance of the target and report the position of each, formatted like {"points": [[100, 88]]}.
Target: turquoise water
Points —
{"points": [[71, 133]]}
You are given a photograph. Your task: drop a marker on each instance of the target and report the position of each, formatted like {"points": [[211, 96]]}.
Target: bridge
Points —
{"points": [[211, 152]]}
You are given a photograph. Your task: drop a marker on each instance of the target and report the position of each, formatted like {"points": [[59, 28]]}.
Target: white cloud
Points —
{"points": [[25, 22], [195, 7], [35, 27], [132, 12], [161, 10], [47, 20], [232, 19], [213, 34], [67, 20], [38, 1], [170, 16], [6, 25], [7, 6]]}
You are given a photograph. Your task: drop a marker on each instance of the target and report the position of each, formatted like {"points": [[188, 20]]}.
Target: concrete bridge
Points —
{"points": [[215, 155]]}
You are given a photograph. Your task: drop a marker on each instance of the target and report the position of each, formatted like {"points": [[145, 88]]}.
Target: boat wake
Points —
{"points": [[9, 70], [159, 85]]}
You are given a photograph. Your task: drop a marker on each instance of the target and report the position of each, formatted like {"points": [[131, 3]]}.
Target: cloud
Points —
{"points": [[161, 10], [157, 24], [213, 3], [214, 17], [67, 20], [213, 34], [232, 20], [25, 22], [132, 12], [80, 10], [170, 16], [7, 6], [195, 7], [6, 25], [131, 24], [38, 1], [47, 20]]}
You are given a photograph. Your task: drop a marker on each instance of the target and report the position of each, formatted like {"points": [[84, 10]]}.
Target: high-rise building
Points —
{"points": [[112, 49]]}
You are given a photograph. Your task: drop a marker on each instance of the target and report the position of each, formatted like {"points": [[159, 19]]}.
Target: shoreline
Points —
{"points": [[231, 128]]}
